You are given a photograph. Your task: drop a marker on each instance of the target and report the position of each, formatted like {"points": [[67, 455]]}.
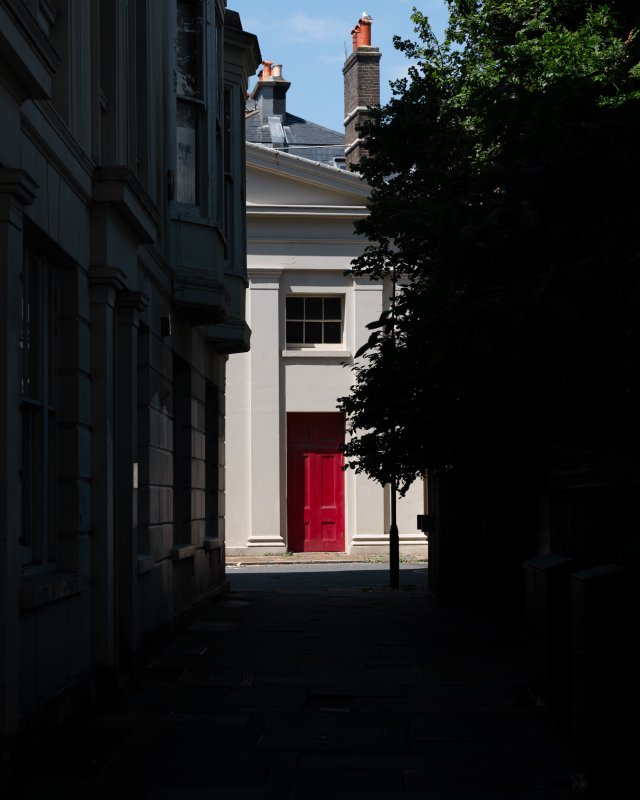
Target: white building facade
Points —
{"points": [[286, 488]]}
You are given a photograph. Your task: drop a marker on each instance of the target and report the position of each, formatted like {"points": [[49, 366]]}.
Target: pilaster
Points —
{"points": [[266, 462], [104, 285], [17, 190], [365, 497], [129, 307]]}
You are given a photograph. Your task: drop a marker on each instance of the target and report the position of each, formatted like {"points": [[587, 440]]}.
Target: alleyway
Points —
{"points": [[328, 686]]}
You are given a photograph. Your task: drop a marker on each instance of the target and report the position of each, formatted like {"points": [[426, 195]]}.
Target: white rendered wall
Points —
{"points": [[307, 251], [238, 450], [268, 382]]}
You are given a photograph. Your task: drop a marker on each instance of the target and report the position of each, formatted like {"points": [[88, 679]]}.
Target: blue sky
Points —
{"points": [[309, 40]]}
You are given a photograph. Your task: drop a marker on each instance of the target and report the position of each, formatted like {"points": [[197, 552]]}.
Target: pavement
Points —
{"points": [[316, 558], [307, 683]]}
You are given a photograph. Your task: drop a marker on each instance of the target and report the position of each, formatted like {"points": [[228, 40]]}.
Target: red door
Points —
{"points": [[315, 483]]}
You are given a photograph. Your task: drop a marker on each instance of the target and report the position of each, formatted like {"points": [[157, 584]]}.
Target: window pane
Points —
{"points": [[219, 176], [227, 130], [219, 54], [294, 333], [313, 333], [186, 141], [332, 333], [332, 308], [295, 308], [26, 466], [50, 553], [313, 308], [51, 329], [38, 462], [31, 338], [189, 49], [33, 475]]}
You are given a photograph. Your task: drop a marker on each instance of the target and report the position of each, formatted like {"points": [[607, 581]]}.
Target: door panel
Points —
{"points": [[315, 482]]}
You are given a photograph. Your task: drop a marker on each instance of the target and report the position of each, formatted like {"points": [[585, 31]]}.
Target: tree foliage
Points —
{"points": [[505, 174]]}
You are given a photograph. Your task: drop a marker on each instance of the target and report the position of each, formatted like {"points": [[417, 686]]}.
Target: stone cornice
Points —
{"points": [[17, 190], [73, 164], [110, 277], [133, 301], [26, 50], [202, 298], [341, 212], [18, 184], [357, 110], [247, 54], [362, 54], [267, 278], [264, 273], [119, 186], [232, 336]]}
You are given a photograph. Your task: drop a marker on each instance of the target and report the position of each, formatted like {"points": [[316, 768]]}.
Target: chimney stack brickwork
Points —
{"points": [[361, 89]]}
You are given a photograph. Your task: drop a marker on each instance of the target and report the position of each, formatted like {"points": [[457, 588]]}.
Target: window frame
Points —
{"points": [[38, 459], [200, 109], [227, 224], [293, 345]]}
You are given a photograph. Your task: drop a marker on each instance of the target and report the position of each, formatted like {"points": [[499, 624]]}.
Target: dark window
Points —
{"points": [[190, 107], [187, 154], [312, 321], [37, 468], [228, 220], [189, 82]]}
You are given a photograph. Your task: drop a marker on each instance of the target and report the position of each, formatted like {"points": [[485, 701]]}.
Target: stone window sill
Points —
{"points": [[213, 543], [182, 551], [310, 352], [145, 563]]}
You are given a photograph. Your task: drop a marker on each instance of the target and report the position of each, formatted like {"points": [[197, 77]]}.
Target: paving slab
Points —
{"points": [[321, 691]]}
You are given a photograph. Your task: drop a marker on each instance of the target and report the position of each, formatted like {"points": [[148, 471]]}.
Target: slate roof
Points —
{"points": [[302, 138]]}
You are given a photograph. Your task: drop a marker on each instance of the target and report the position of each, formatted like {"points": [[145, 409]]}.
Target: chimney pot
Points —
{"points": [[355, 33], [267, 70], [364, 32], [276, 71]]}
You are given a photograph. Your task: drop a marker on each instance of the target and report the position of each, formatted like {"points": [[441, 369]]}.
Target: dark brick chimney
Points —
{"points": [[361, 87]]}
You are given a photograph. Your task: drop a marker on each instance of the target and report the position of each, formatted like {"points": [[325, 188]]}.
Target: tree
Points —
{"points": [[512, 206]]}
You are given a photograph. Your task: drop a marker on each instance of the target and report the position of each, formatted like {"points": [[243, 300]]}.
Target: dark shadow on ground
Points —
{"points": [[318, 577]]}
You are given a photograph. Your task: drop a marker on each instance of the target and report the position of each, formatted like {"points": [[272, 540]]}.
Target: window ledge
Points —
{"points": [[213, 543], [182, 551], [146, 563], [184, 213], [39, 590], [310, 352]]}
